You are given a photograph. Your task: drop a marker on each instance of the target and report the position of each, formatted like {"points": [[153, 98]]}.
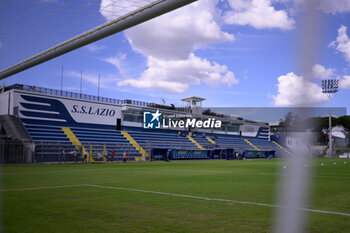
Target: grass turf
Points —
{"points": [[92, 209]]}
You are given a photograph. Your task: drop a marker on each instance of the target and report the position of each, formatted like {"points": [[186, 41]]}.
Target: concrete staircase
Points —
{"points": [[136, 145], [251, 144], [195, 142]]}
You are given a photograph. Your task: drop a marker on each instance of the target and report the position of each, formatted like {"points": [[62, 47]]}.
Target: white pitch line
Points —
{"points": [[324, 175], [42, 188], [176, 195], [218, 199]]}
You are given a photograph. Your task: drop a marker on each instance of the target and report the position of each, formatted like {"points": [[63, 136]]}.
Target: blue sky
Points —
{"points": [[234, 53]]}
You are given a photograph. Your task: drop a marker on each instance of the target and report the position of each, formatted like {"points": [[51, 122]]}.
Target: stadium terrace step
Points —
{"points": [[255, 147], [195, 142], [281, 147], [210, 140], [47, 137], [167, 139], [135, 144], [74, 139]]}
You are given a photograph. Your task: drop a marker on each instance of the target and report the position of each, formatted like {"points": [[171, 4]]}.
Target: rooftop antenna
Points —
{"points": [[81, 81], [98, 89], [62, 79]]}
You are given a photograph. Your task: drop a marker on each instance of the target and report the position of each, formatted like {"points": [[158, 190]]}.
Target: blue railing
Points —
{"points": [[77, 95]]}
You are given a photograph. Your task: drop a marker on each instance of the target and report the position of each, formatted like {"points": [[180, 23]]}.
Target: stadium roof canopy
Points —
{"points": [[193, 98]]}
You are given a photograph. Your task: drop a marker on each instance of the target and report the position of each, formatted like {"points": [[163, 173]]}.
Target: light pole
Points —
{"points": [[330, 86]]}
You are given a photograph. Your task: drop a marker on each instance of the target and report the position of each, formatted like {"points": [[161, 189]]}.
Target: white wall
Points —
{"points": [[4, 100], [81, 111]]}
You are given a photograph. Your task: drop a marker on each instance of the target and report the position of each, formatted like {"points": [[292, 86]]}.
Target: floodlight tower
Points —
{"points": [[330, 86]]}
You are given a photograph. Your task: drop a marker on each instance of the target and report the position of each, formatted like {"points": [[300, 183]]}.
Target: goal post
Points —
{"points": [[97, 154], [131, 19]]}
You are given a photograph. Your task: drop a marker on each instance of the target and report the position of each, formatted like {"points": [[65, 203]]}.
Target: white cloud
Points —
{"points": [[112, 9], [122, 56], [168, 43], [259, 14], [321, 72], [294, 90], [335, 6], [175, 76], [342, 43], [178, 33], [95, 47], [345, 82], [327, 6], [117, 61]]}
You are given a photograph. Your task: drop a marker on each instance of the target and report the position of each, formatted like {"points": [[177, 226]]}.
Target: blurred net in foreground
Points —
{"points": [[30, 27]]}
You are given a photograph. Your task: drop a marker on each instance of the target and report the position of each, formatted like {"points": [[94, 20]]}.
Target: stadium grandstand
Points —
{"points": [[54, 126], [41, 126]]}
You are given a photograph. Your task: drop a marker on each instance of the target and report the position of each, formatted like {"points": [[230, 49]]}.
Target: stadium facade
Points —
{"points": [[53, 122]]}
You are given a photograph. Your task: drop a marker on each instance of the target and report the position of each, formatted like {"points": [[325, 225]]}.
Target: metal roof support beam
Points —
{"points": [[136, 17]]}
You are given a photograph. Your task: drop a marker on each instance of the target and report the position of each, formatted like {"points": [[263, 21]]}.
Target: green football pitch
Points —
{"points": [[182, 196]]}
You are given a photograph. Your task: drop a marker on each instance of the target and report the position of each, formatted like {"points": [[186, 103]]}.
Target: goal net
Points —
{"points": [[36, 31]]}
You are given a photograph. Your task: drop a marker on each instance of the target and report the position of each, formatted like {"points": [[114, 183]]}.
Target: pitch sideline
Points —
{"points": [[175, 195]]}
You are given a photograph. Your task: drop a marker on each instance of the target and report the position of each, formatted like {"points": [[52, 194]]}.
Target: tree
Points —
{"points": [[208, 112], [345, 122], [287, 125]]}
